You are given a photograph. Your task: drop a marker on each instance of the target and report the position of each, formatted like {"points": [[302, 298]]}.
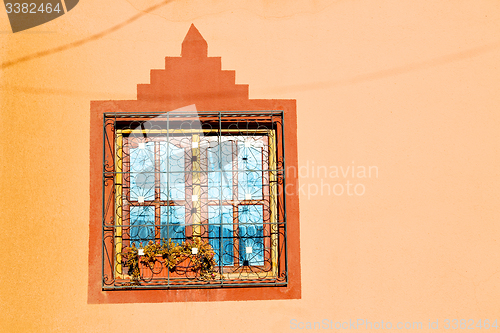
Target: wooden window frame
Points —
{"points": [[123, 201]]}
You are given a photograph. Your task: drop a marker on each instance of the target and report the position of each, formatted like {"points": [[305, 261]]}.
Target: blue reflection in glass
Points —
{"points": [[251, 229], [221, 217], [142, 171], [173, 223], [173, 157], [142, 222], [219, 158], [249, 180]]}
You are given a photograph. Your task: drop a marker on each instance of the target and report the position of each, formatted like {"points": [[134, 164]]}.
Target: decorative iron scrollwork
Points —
{"points": [[193, 199]]}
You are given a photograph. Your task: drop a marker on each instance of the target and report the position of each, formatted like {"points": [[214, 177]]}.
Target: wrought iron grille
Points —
{"points": [[193, 199]]}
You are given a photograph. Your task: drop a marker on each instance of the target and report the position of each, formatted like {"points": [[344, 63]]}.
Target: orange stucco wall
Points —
{"points": [[407, 88]]}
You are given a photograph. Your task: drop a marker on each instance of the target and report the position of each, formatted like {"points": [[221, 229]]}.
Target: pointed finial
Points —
{"points": [[194, 45]]}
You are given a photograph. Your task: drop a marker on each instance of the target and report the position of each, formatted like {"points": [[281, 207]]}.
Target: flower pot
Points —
{"points": [[153, 270]]}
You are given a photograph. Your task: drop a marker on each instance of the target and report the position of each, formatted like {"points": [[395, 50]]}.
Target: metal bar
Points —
{"points": [[197, 171], [178, 114], [103, 195], [221, 239], [197, 286], [167, 189], [284, 194]]}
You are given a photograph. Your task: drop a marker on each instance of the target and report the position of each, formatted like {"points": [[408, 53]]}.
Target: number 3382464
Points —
{"points": [[31, 8]]}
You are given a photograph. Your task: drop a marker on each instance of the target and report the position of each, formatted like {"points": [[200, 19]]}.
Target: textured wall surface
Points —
{"points": [[407, 88]]}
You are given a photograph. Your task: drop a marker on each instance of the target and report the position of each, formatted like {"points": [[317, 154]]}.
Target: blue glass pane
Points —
{"points": [[251, 229], [172, 161], [173, 223], [249, 180], [142, 222], [142, 172], [220, 177], [221, 218]]}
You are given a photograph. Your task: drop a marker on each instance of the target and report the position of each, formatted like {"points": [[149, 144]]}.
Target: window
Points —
{"points": [[211, 182], [209, 178]]}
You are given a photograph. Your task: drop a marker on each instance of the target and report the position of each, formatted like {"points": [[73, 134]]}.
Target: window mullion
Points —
{"points": [[196, 173], [119, 203], [221, 227], [157, 190], [236, 231]]}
